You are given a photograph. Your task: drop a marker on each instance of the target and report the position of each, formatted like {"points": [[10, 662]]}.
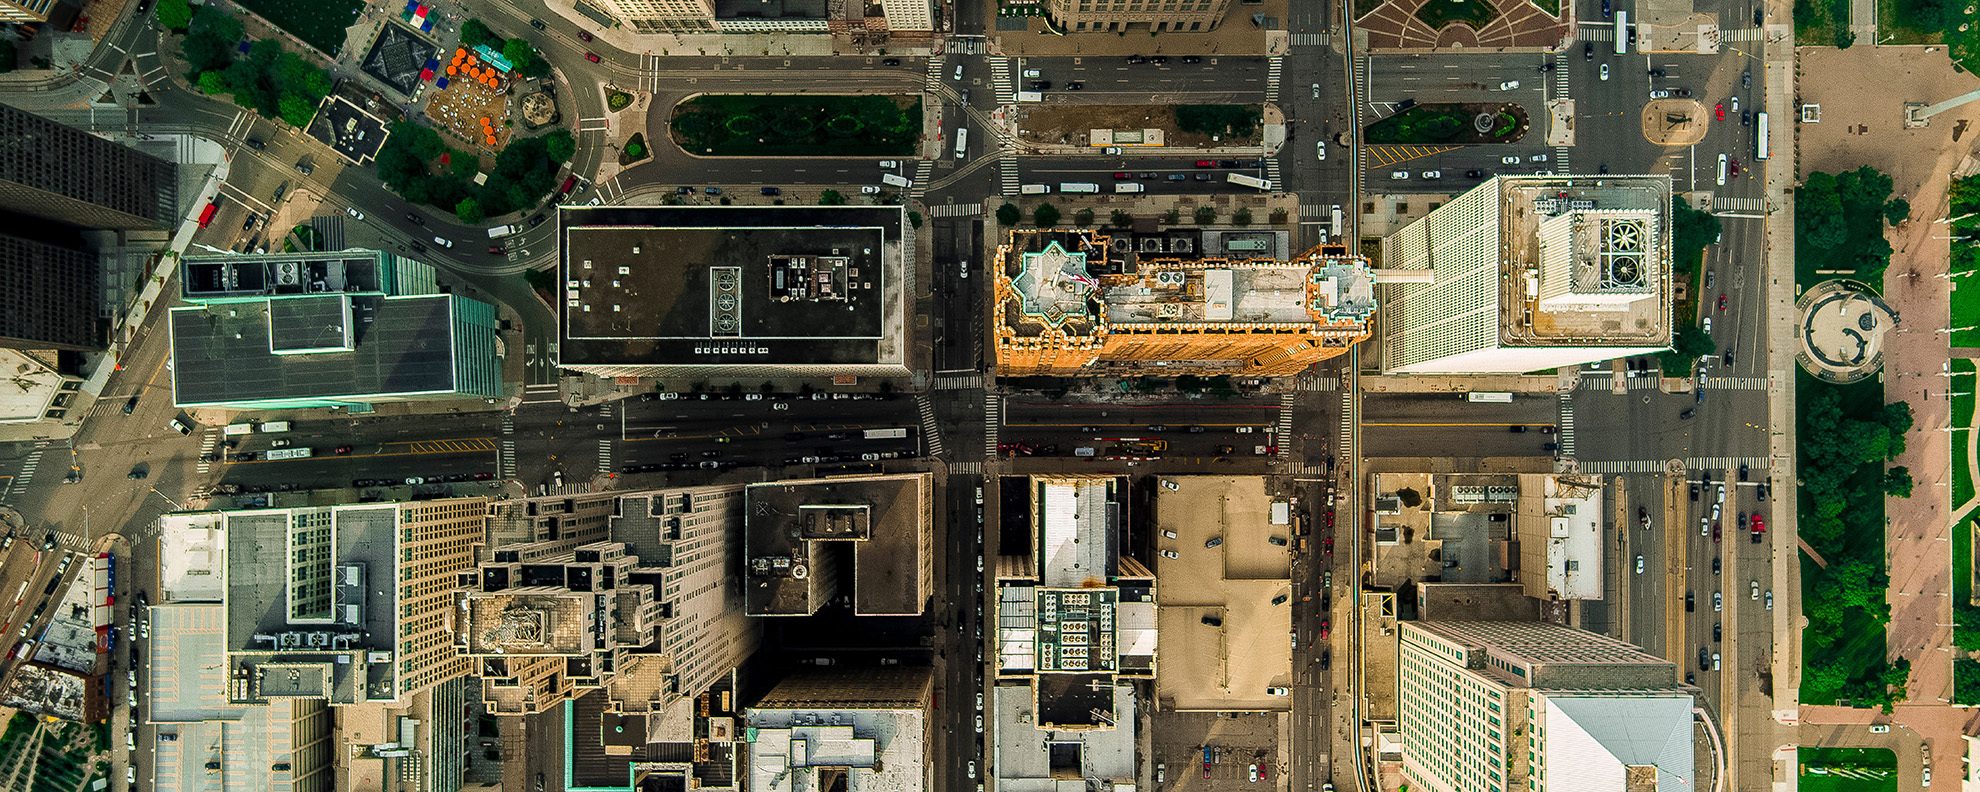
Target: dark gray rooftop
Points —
{"points": [[400, 345], [880, 520], [743, 285], [218, 277]]}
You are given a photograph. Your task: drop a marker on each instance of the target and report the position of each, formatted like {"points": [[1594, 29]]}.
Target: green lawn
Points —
{"points": [[1965, 299], [1962, 421], [1448, 123], [737, 125], [1899, 22], [1820, 22], [1438, 13], [1861, 769], [319, 23]]}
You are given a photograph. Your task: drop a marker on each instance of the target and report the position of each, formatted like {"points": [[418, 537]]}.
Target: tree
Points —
{"points": [[210, 39], [1083, 218], [524, 58], [1818, 212], [1120, 219], [1896, 211], [1206, 214], [1045, 216], [1172, 217], [474, 32], [831, 198], [1241, 217], [212, 83], [1691, 231], [469, 211], [1008, 214], [559, 145], [1897, 482], [174, 14], [1219, 120], [914, 219], [1278, 217]]}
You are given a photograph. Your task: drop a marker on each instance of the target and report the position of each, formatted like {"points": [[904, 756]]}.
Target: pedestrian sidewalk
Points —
{"points": [[1236, 35]]}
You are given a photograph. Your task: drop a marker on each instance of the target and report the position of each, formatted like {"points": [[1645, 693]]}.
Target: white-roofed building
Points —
{"points": [[1499, 706], [1560, 532], [854, 731]]}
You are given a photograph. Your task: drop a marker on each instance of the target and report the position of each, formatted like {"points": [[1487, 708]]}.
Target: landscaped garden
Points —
{"points": [[1438, 13], [522, 57], [319, 23], [737, 125], [1822, 22], [1220, 121], [422, 168], [266, 78], [1847, 770], [1839, 221], [1692, 230], [1451, 123], [1964, 207]]}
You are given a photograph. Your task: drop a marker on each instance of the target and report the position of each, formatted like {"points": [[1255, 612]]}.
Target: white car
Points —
{"points": [[1433, 174], [1605, 71], [1510, 85], [1537, 158], [972, 768], [1031, 74], [1278, 691], [1770, 599], [1398, 175], [1735, 104], [1718, 602], [1660, 93], [979, 724], [869, 190], [1639, 563], [1509, 160], [1320, 146], [1756, 590], [1707, 325], [1170, 554], [443, 242], [890, 164], [1316, 90], [354, 213]]}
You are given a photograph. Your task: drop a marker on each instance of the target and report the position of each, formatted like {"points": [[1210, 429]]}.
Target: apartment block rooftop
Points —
{"points": [[804, 290], [1591, 259], [805, 536]]}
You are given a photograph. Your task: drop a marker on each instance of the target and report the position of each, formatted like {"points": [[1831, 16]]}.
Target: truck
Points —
{"points": [[896, 180], [273, 426], [885, 434], [1129, 187], [504, 230], [1249, 181], [289, 453], [238, 429], [206, 215], [1035, 189], [1078, 187], [1334, 221], [1030, 96]]}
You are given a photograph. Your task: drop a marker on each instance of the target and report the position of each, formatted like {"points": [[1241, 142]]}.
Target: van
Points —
{"points": [[1084, 452], [1031, 74]]}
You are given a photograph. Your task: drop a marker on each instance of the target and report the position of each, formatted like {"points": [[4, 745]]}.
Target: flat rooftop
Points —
{"points": [[277, 274], [1588, 260], [799, 535], [331, 345], [1222, 639], [733, 285]]}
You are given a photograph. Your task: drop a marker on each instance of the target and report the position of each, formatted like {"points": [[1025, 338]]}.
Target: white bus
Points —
{"points": [[1622, 32], [1760, 135], [1334, 221], [962, 143], [1078, 187], [886, 434], [1249, 181], [1489, 397]]}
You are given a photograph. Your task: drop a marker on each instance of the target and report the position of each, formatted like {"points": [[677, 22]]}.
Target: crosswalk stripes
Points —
{"points": [[605, 455], [1007, 176], [1606, 381], [1272, 68], [958, 381], [922, 170], [1596, 33], [70, 540], [541, 393], [1727, 463], [1000, 80], [1743, 34], [1311, 39], [507, 461], [993, 421], [1739, 383], [1691, 465], [966, 468], [968, 45], [931, 433], [1624, 466], [208, 440], [1285, 423], [1566, 430], [956, 210], [1316, 210], [1729, 204], [1272, 174], [26, 476], [1303, 469], [1561, 163], [1318, 383]]}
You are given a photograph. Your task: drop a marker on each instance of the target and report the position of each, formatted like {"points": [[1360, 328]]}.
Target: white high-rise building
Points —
{"points": [[1502, 706], [1528, 273]]}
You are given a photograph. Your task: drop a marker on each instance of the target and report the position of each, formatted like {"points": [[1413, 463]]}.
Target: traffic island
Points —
{"points": [[783, 125], [1452, 123], [1674, 122]]}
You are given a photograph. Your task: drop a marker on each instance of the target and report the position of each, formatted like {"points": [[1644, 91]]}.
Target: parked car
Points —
{"points": [[592, 56]]}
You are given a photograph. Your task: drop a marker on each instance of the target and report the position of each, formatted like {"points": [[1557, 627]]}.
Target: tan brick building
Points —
{"points": [[1087, 16]]}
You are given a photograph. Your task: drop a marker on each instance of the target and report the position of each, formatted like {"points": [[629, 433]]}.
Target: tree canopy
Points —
{"points": [[267, 79], [1839, 221]]}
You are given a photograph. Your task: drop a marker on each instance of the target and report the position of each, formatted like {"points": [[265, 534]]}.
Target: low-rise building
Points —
{"points": [[1072, 303]]}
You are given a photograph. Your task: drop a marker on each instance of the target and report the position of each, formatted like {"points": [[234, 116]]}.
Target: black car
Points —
{"points": [[771, 191], [1715, 565], [1688, 414], [1759, 14], [536, 23], [1727, 358], [683, 190], [1690, 602], [890, 62], [1717, 631], [1134, 59], [1588, 51], [415, 219], [1704, 659], [1041, 85], [1742, 471], [1075, 85], [130, 406], [1474, 174], [1607, 10], [1746, 118], [536, 221], [256, 144], [1159, 60], [1746, 79]]}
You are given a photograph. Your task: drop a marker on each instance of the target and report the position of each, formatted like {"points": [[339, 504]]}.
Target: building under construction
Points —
{"points": [[1073, 303]]}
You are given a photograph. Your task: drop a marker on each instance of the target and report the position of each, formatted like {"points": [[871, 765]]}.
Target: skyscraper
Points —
{"points": [[59, 173], [1501, 706], [1525, 273], [49, 296]]}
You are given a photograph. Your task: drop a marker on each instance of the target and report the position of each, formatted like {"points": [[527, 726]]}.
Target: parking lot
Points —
{"points": [[1237, 743]]}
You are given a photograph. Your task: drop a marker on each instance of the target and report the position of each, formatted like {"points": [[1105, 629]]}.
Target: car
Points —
{"points": [[255, 143], [1171, 485], [1041, 85], [1509, 85], [1192, 59], [354, 213], [180, 426], [1076, 85], [1704, 658], [1316, 90], [1718, 631], [1474, 173], [868, 189], [1432, 174], [1715, 565], [1170, 554], [1880, 728], [972, 768], [1719, 111], [1278, 691], [1690, 602], [1746, 118], [1254, 773], [1732, 168], [1398, 175], [1718, 602], [1722, 302], [1206, 163], [1746, 79], [415, 219], [1159, 59], [443, 242], [1537, 158], [1660, 93], [537, 23], [1213, 541], [1607, 11], [1639, 563], [1706, 325], [1715, 661], [1735, 103], [712, 190], [1514, 160], [1203, 177], [979, 724], [1122, 175], [584, 35], [281, 190], [1326, 628], [1717, 536], [1605, 71], [592, 56], [1588, 50], [1769, 598]]}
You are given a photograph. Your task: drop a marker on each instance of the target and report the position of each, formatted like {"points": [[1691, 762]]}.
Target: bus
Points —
{"points": [[1489, 397], [886, 434], [1622, 32], [1078, 187], [962, 142], [1249, 181], [1334, 221], [1760, 135]]}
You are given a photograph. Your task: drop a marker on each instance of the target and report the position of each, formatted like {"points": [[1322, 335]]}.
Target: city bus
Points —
{"points": [[1760, 135], [1249, 181], [886, 434], [1622, 32], [1490, 397]]}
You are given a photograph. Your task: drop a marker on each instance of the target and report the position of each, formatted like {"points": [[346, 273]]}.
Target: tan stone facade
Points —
{"points": [[1088, 16]]}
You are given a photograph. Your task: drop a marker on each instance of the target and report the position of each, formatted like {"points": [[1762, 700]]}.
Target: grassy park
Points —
{"points": [[1449, 123], [1438, 13], [320, 23], [736, 125], [1847, 770]]}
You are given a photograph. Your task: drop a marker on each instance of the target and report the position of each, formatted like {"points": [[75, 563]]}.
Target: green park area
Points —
{"points": [[1822, 22], [319, 23], [1692, 230], [1220, 121], [1917, 21], [1450, 123], [1847, 770], [1438, 13], [422, 168], [1963, 206], [1839, 221], [735, 125], [267, 79]]}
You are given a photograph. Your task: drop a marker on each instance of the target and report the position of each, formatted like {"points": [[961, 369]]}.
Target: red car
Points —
{"points": [[1759, 527], [1326, 628], [593, 57], [1722, 303], [342, 450], [568, 184], [1715, 532], [1327, 545], [584, 34], [1206, 163], [1734, 169], [1119, 175], [1719, 110]]}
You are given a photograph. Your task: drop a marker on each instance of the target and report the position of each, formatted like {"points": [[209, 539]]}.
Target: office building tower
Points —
{"points": [[65, 175], [49, 295]]}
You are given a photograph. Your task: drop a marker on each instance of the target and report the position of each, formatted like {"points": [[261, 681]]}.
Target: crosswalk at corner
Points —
{"points": [[1000, 80], [934, 73], [930, 432], [649, 73], [993, 421], [26, 476], [1272, 69], [605, 455], [963, 380], [1272, 174], [1312, 39], [1007, 176], [208, 441], [1566, 430], [1741, 205], [542, 393], [956, 210], [1286, 401], [507, 460]]}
